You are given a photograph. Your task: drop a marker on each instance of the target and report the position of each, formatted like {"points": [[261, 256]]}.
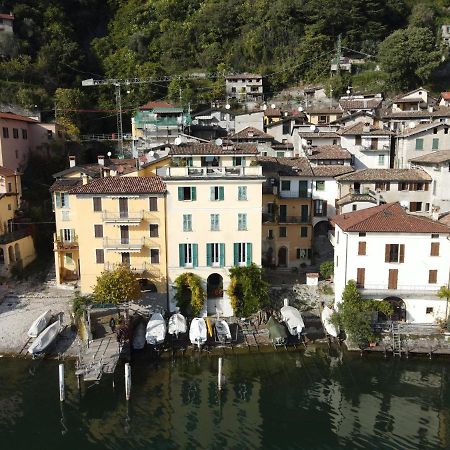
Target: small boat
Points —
{"points": [[156, 330], [293, 319], [277, 332], [177, 324], [326, 320], [223, 331], [138, 342], [45, 338], [198, 331], [39, 324]]}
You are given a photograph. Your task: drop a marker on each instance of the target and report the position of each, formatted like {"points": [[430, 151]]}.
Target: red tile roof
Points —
{"points": [[387, 175], [332, 170], [272, 112], [12, 116], [360, 128], [188, 149], [4, 172], [387, 218], [250, 133], [329, 152], [7, 16], [437, 157], [445, 95], [156, 104], [122, 185]]}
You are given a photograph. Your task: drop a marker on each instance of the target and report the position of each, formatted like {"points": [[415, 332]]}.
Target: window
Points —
{"points": [[217, 193], [187, 222], [15, 133], [394, 253], [67, 234], [361, 248], [9, 186], [5, 132], [383, 185], [16, 152], [99, 256], [68, 257], [280, 154], [9, 207], [419, 144], [428, 310], [434, 236], [24, 134], [97, 202], [415, 206], [360, 277], [270, 208], [269, 234], [403, 186], [427, 206], [62, 199], [323, 119], [361, 234], [242, 192], [303, 231], [374, 144], [320, 208], [187, 193], [242, 222], [65, 216], [435, 130], [285, 185], [354, 207], [435, 144], [320, 185], [154, 255], [242, 253], [238, 161], [215, 255], [434, 250], [98, 231], [188, 255], [154, 230], [432, 276], [445, 130], [381, 160], [283, 232], [358, 140], [214, 218], [153, 203]]}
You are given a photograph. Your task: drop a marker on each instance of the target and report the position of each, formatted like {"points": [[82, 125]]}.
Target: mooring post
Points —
{"points": [[61, 383], [127, 381], [219, 375]]}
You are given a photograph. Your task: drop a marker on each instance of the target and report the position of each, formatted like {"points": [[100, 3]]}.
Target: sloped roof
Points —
{"points": [[387, 218], [359, 128], [324, 110], [65, 184], [243, 76], [332, 170], [445, 95], [442, 111], [250, 133], [5, 172], [156, 104], [19, 117], [387, 175], [370, 103], [436, 157], [122, 166], [355, 197], [329, 152], [187, 149], [272, 112], [122, 185], [423, 127], [319, 134], [293, 167]]}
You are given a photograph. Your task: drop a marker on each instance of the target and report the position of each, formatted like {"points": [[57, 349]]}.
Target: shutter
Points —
{"points": [[360, 277], [72, 234], [195, 254], [61, 235], [402, 253], [234, 161], [222, 255], [426, 186], [434, 249], [361, 248], [221, 193], [211, 193], [235, 254], [180, 194], [432, 276], [324, 208], [182, 254], [208, 254], [193, 193], [392, 280], [239, 221], [58, 199], [387, 251], [244, 221], [412, 206], [249, 254], [240, 192]]}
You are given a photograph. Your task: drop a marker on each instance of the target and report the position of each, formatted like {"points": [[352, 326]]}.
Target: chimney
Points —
{"points": [[101, 160], [85, 178], [72, 161], [366, 128]]}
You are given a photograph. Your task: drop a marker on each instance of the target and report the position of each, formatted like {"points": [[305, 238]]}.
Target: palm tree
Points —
{"points": [[444, 292]]}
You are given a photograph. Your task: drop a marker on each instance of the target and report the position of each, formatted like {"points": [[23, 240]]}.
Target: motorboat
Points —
{"points": [[222, 331], [177, 324], [39, 324], [45, 338], [330, 328], [277, 332], [293, 319], [156, 330], [139, 331], [198, 331]]}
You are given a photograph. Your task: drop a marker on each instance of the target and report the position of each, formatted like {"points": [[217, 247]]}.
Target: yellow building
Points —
{"points": [[323, 115], [16, 244]]}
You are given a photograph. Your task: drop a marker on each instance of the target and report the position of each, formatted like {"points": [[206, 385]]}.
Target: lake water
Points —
{"points": [[283, 400]]}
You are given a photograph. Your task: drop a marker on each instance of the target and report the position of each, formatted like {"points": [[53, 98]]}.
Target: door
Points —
{"points": [[360, 277], [305, 213], [393, 277], [303, 189], [124, 235], [123, 207], [374, 144], [126, 259], [356, 188], [282, 257], [283, 213]]}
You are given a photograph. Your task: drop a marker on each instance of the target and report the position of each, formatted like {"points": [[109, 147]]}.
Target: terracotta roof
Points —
{"points": [[212, 149], [353, 115], [408, 100], [359, 128], [122, 185], [12, 116], [65, 184], [331, 170], [445, 95], [319, 134], [436, 157], [156, 104], [272, 112], [423, 127], [324, 110], [282, 146], [386, 175], [7, 16], [250, 133], [442, 111], [370, 103], [243, 76], [445, 219], [293, 167], [329, 152], [122, 166], [352, 197], [387, 218], [4, 172]]}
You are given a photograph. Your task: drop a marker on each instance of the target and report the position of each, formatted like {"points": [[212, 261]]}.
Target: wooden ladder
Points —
{"points": [[396, 340]]}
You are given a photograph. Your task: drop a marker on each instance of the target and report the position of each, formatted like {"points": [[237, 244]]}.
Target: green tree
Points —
{"points": [[190, 295], [326, 269], [117, 286], [444, 292], [67, 101]]}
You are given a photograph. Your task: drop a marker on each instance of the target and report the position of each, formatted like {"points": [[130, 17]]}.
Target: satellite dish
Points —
{"points": [[109, 154], [300, 109], [227, 106], [177, 141], [218, 142], [273, 106], [412, 125], [348, 91], [286, 114], [264, 107], [312, 128]]}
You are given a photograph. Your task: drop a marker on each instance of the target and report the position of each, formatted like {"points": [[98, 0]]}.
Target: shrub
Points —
{"points": [[190, 295], [326, 269]]}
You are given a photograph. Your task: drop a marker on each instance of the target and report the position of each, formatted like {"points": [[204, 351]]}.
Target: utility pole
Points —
{"points": [[338, 55], [119, 121]]}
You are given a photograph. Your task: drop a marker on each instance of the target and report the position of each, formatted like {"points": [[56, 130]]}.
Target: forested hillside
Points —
{"points": [[58, 43]]}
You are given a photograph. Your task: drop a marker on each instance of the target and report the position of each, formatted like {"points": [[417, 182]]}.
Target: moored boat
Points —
{"points": [[277, 332], [198, 331], [139, 331], [156, 330], [331, 329], [39, 324], [45, 338], [293, 319], [223, 331], [177, 324]]}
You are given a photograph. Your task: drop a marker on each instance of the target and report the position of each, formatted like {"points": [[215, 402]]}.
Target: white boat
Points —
{"points": [[156, 329], [139, 336], [39, 324], [45, 338], [177, 324], [198, 331], [326, 320], [293, 319], [223, 331]]}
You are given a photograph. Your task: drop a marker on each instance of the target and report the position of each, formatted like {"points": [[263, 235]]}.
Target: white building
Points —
{"points": [[245, 87], [213, 210], [253, 119], [395, 256], [6, 23]]}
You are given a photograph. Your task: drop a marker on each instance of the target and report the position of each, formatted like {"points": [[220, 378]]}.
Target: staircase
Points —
{"points": [[396, 340]]}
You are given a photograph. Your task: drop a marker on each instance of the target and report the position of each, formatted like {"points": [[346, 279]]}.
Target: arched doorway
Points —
{"points": [[323, 249], [147, 286], [214, 286], [11, 254], [399, 307], [282, 257]]}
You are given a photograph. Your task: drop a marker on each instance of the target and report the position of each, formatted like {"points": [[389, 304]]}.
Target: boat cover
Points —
{"points": [[156, 330], [39, 324], [326, 320], [177, 324], [45, 338], [198, 331], [293, 319], [277, 332]]}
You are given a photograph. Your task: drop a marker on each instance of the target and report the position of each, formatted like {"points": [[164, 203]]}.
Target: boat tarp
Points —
{"points": [[292, 317], [276, 330]]}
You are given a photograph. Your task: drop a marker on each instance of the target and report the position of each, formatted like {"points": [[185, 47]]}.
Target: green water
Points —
{"points": [[271, 401]]}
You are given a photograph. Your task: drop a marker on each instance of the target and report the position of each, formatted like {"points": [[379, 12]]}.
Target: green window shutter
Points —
{"points": [[419, 144], [66, 198], [195, 254], [222, 255], [211, 193], [249, 254], [182, 252], [58, 199], [236, 254], [221, 193], [234, 161], [244, 221], [61, 235], [180, 194], [72, 234], [435, 144], [243, 161], [193, 193], [208, 254]]}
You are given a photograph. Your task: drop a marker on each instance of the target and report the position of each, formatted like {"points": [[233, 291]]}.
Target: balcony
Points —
{"points": [[122, 217], [210, 172], [12, 236], [427, 291], [66, 245], [294, 194], [142, 268], [369, 148], [294, 219], [268, 218], [124, 244]]}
